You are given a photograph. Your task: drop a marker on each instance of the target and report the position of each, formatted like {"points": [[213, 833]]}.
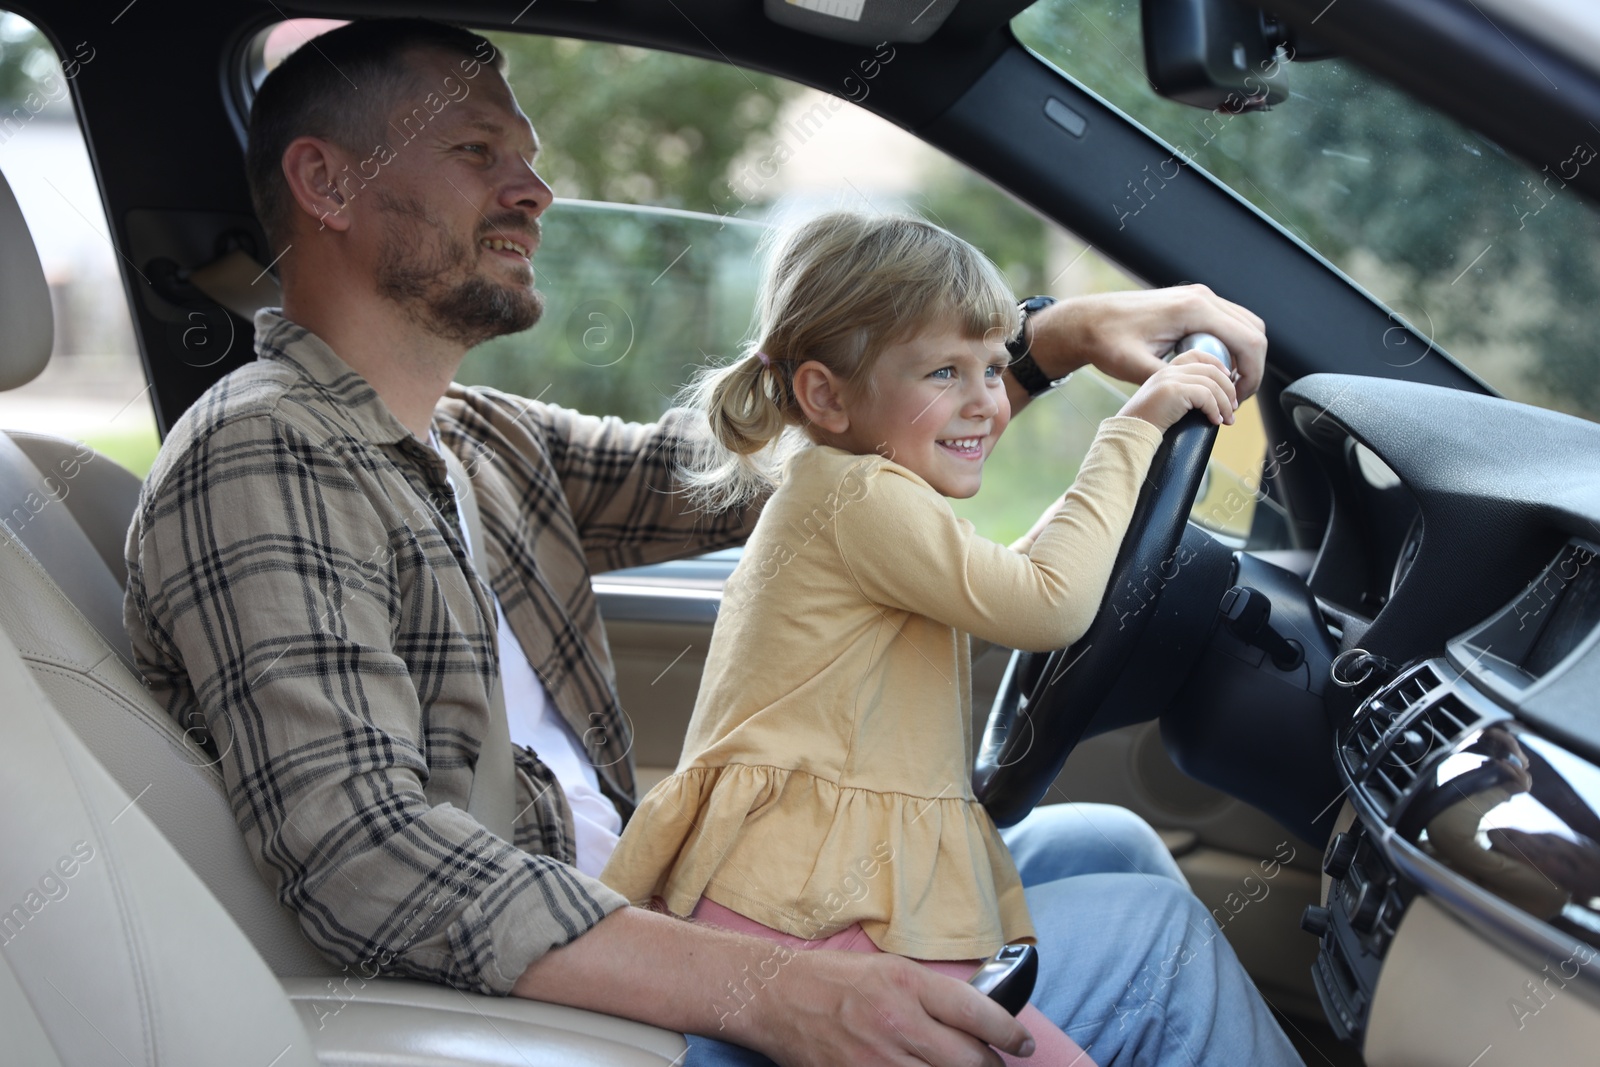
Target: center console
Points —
{"points": [[1472, 786]]}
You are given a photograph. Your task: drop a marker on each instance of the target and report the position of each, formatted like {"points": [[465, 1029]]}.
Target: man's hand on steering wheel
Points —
{"points": [[1126, 334]]}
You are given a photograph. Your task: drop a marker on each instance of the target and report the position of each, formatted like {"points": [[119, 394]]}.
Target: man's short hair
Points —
{"points": [[341, 86]]}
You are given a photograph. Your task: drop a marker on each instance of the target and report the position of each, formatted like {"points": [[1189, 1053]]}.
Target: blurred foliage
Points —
{"points": [[633, 126], [1400, 197], [635, 300], [134, 449], [1008, 232], [25, 56], [637, 126]]}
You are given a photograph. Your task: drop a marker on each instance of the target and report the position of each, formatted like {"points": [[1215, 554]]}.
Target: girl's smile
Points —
{"points": [[935, 403]]}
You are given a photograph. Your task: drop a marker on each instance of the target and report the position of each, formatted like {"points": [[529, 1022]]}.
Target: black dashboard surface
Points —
{"points": [[1500, 486]]}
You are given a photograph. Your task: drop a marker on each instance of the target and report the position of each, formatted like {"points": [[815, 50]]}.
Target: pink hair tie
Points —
{"points": [[766, 360]]}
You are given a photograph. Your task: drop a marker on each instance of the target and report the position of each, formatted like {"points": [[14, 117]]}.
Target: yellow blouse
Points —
{"points": [[826, 776]]}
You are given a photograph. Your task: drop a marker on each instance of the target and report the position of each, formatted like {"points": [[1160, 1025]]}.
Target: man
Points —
{"points": [[301, 591]]}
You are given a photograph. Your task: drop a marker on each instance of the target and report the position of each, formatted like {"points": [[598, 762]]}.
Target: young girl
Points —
{"points": [[824, 795]]}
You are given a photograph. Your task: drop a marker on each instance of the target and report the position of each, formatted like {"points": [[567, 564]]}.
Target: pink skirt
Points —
{"points": [[1052, 1048]]}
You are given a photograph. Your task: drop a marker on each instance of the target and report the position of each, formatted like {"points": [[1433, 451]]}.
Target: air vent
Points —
{"points": [[1399, 731], [1376, 720]]}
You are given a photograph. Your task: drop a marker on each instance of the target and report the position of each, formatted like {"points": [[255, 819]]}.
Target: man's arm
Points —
{"points": [[261, 574], [619, 479], [1126, 334], [802, 1009]]}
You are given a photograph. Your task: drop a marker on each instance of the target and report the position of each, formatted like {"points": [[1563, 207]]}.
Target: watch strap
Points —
{"points": [[1023, 368]]}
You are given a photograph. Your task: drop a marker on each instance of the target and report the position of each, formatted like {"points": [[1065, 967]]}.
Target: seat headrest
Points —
{"points": [[27, 327]]}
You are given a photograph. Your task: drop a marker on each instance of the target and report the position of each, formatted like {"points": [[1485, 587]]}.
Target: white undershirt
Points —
{"points": [[536, 724]]}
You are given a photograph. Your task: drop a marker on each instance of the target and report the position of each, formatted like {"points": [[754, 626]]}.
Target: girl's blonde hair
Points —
{"points": [[840, 289]]}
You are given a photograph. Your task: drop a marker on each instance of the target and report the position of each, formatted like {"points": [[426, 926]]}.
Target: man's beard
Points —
{"points": [[419, 258]]}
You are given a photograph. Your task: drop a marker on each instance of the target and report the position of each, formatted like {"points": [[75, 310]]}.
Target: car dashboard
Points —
{"points": [[1462, 885]]}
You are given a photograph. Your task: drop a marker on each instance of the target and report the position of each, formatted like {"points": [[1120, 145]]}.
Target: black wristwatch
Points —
{"points": [[1023, 368]]}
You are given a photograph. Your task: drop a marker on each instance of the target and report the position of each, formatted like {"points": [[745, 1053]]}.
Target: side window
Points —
{"points": [[664, 181], [636, 297], [646, 260], [93, 388], [667, 171]]}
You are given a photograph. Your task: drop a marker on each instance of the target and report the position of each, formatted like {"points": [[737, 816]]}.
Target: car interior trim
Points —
{"points": [[1489, 917], [1420, 1021], [637, 602]]}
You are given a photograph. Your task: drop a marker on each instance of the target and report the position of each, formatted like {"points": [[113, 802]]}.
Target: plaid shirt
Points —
{"points": [[299, 597]]}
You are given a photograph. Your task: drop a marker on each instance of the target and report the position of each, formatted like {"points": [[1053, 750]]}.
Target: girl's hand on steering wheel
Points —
{"points": [[1193, 381]]}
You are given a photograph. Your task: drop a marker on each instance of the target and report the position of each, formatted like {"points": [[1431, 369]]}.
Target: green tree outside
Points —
{"points": [[1490, 257]]}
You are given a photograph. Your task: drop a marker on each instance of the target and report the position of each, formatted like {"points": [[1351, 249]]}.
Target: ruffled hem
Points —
{"points": [[927, 878]]}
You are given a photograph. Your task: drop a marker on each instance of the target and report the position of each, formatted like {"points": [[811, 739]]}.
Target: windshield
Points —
{"points": [[1495, 260]]}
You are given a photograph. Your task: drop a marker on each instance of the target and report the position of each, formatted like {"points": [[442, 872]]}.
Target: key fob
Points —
{"points": [[1007, 977]]}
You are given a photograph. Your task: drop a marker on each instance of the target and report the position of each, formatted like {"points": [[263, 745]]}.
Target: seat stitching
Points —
{"points": [[140, 715]]}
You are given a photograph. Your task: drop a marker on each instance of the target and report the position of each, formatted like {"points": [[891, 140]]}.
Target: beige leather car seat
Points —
{"points": [[73, 515], [112, 950], [61, 581], [177, 783]]}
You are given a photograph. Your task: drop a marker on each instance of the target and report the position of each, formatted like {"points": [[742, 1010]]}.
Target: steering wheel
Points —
{"points": [[1047, 700]]}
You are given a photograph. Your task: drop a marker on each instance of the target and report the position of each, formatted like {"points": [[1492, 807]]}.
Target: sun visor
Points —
{"points": [[863, 21]]}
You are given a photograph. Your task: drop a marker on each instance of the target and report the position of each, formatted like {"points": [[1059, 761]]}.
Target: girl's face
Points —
{"points": [[936, 404]]}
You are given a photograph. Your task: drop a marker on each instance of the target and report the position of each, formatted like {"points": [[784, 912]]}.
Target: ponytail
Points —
{"points": [[749, 417], [744, 404]]}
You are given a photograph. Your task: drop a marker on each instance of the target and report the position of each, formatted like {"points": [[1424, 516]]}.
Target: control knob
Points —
{"points": [[1341, 853]]}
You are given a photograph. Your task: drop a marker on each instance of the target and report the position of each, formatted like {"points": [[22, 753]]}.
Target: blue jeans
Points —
{"points": [[1131, 966]]}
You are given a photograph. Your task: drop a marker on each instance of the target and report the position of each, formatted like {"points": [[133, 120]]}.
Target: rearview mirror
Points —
{"points": [[1220, 54]]}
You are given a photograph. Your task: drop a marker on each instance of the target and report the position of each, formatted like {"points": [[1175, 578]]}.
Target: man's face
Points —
{"points": [[456, 204]]}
